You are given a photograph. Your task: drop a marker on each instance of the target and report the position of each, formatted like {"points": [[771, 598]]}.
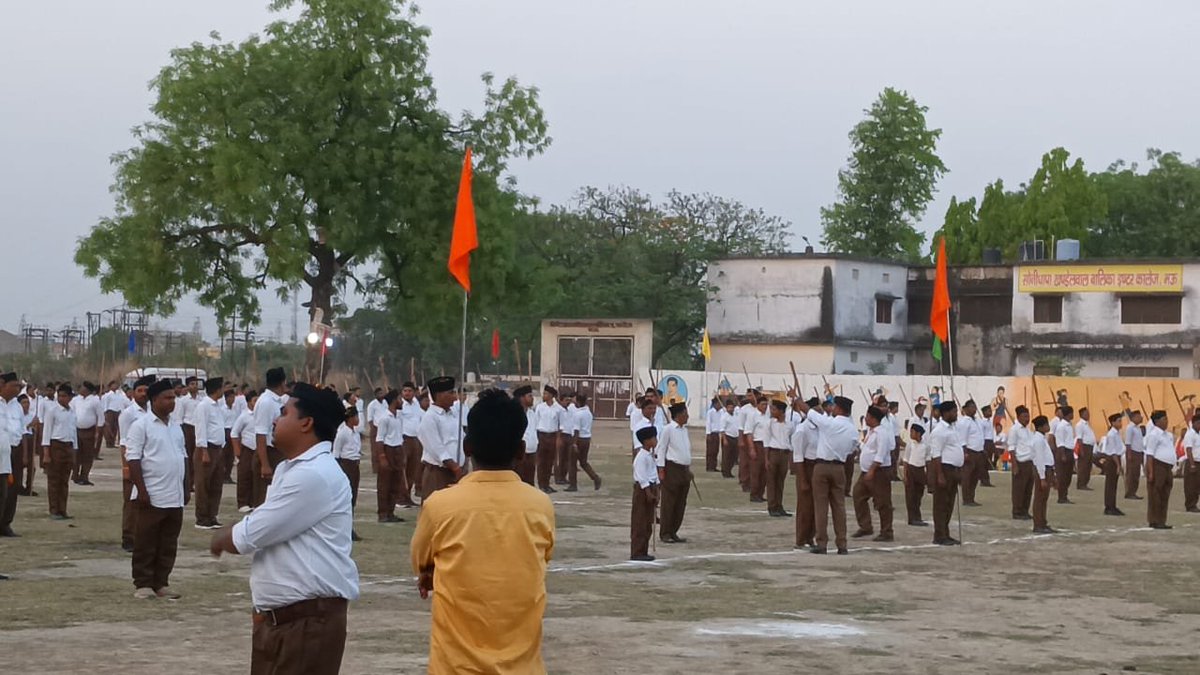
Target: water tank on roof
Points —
{"points": [[991, 256], [1066, 249]]}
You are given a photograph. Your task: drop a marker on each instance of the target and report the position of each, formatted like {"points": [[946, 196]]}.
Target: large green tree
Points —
{"points": [[298, 158], [1151, 213], [619, 252], [887, 183]]}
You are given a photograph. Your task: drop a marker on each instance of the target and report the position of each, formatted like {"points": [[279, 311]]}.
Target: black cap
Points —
{"points": [[947, 406], [1157, 415], [8, 377], [214, 384], [522, 390], [440, 384], [145, 381], [677, 409], [646, 433], [159, 387], [917, 428], [550, 390], [190, 379], [844, 403]]}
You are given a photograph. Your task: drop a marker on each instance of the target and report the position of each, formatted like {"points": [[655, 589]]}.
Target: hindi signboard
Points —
{"points": [[1100, 279]]}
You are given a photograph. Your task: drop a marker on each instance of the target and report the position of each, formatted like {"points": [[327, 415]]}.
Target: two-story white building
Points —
{"points": [[825, 313]]}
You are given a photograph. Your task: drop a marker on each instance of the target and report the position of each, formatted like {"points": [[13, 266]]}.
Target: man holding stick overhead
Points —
{"points": [[836, 441]]}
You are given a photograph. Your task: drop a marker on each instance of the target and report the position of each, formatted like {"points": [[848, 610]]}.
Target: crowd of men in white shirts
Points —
{"points": [[832, 457]]}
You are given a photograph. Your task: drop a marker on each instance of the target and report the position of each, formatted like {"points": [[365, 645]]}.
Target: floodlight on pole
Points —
{"points": [[313, 338]]}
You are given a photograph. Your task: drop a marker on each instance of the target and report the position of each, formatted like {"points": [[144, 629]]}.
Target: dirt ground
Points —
{"points": [[1103, 596]]}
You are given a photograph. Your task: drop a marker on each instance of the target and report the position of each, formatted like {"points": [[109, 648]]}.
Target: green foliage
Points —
{"points": [[889, 180], [296, 157], [1150, 214]]}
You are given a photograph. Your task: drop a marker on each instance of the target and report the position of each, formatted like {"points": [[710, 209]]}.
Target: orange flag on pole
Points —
{"points": [[939, 312], [464, 240]]}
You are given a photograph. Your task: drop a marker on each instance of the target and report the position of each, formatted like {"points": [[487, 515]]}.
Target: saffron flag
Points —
{"points": [[705, 347], [464, 240], [939, 311]]}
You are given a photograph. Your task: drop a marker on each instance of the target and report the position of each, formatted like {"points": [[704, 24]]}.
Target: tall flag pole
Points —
{"points": [[463, 240], [939, 311]]}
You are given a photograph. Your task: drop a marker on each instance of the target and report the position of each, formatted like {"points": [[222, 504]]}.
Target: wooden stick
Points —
{"points": [[1151, 393], [912, 412], [517, 353], [383, 374], [795, 378], [653, 381], [1036, 397], [749, 384], [412, 369], [1179, 402]]}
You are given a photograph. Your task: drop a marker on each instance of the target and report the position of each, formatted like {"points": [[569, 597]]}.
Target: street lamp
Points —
{"points": [[313, 338]]}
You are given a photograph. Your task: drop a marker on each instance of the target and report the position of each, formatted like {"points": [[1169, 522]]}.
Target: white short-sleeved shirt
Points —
{"points": [[837, 438], [531, 439], [1134, 438], [243, 430], [1043, 458], [347, 444], [645, 472], [266, 411], [411, 412], [674, 446], [874, 449], [1160, 445], [1113, 445], [1085, 433], [945, 443], [583, 421], [439, 436]]}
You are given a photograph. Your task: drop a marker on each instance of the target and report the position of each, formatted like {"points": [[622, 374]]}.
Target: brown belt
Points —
{"points": [[299, 610], [828, 461]]}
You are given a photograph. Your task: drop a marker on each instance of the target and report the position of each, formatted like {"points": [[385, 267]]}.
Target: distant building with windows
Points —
{"points": [[830, 313]]}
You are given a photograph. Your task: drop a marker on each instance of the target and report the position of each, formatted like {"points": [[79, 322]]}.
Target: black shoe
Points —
{"points": [[785, 514], [1083, 488], [560, 481], [354, 536], [3, 577], [861, 533], [128, 548], [918, 523], [642, 558], [727, 475], [1161, 527], [884, 537], [1134, 497], [597, 482], [842, 551], [986, 485], [758, 500], [1043, 530], [948, 541], [8, 532], [1194, 509], [676, 539], [1118, 512], [819, 550], [972, 504], [572, 488], [1065, 501], [549, 490]]}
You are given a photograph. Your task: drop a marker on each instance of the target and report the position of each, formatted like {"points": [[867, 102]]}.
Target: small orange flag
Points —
{"points": [[939, 314], [464, 240]]}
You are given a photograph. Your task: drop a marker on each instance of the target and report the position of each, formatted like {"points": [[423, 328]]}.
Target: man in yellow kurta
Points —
{"points": [[482, 546]]}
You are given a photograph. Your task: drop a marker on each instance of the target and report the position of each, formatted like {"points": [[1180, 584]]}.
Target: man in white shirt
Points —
{"points": [[548, 414], [1160, 467], [59, 443], [136, 410], [112, 402], [1191, 471], [266, 411], [1044, 463], [1062, 441], [581, 445], [245, 442], [208, 471], [804, 455], [302, 577], [916, 456], [990, 455], [713, 428], [566, 431], [674, 459], [441, 440], [1085, 438], [88, 416], [729, 438], [372, 413], [1111, 451], [777, 448], [230, 410], [946, 456], [11, 451], [837, 439], [411, 413], [526, 467], [347, 451], [390, 487], [1020, 444], [645, 496], [1135, 448], [745, 418], [874, 482], [757, 424], [157, 459], [185, 413], [974, 459]]}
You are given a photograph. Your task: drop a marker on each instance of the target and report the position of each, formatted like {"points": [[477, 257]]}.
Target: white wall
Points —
{"points": [[1108, 367], [868, 355], [641, 330], [766, 358], [766, 297], [854, 301]]}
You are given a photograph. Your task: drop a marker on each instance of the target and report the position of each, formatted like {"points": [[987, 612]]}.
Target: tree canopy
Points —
{"points": [[887, 183]]}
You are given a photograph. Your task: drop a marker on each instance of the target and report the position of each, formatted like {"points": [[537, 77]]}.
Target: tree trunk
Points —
{"points": [[320, 304]]}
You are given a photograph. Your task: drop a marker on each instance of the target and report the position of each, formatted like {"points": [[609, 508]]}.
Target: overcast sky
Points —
{"points": [[749, 100]]}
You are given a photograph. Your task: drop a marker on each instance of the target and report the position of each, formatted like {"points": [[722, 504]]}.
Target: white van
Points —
{"points": [[164, 373]]}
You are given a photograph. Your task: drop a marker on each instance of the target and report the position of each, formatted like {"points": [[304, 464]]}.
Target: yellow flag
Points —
{"points": [[705, 348]]}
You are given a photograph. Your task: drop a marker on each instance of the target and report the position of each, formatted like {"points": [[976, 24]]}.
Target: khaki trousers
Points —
{"points": [[915, 484], [1041, 496], [434, 478], [274, 457], [546, 453], [879, 491], [743, 461], [245, 477], [1064, 470], [1109, 468], [1159, 497], [758, 472], [412, 464], [85, 453], [829, 495], [974, 467], [806, 526], [779, 462], [155, 541], [641, 520], [311, 645], [579, 460], [350, 467], [1024, 476]]}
